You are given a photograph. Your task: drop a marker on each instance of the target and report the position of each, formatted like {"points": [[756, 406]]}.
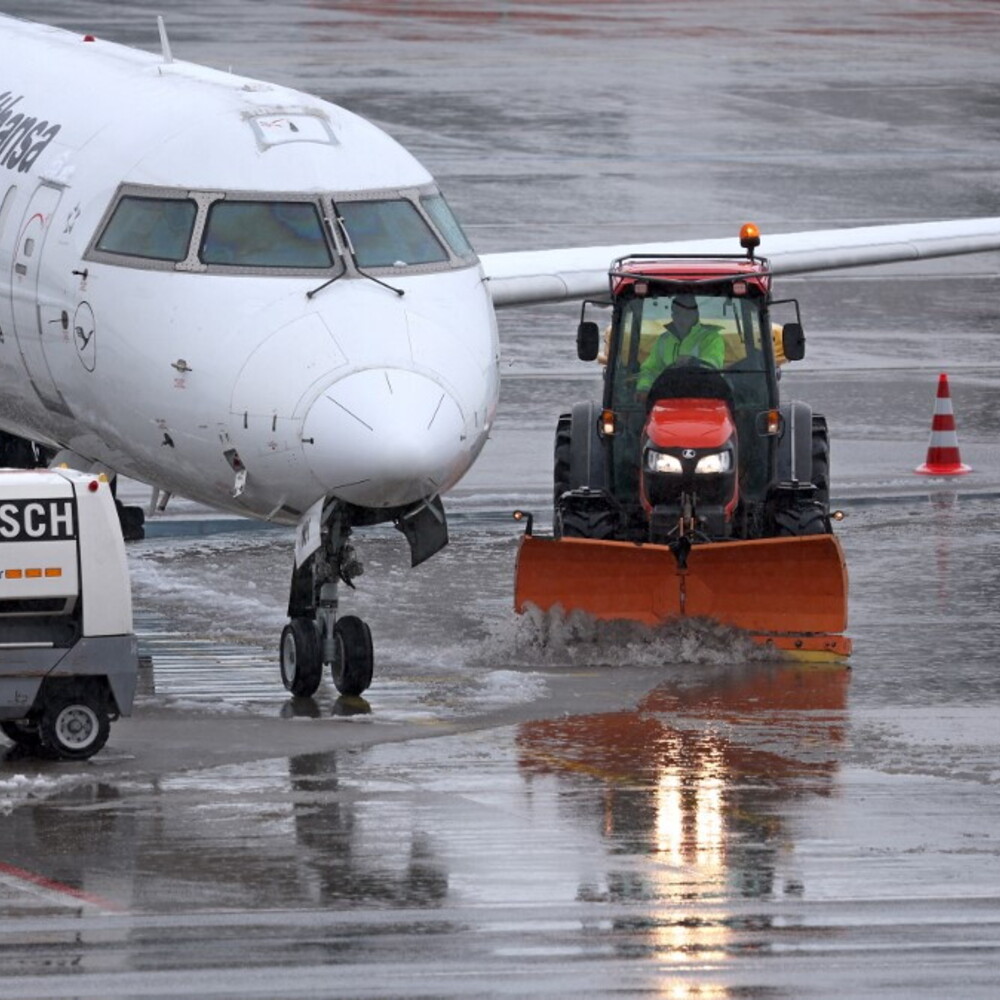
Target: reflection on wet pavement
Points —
{"points": [[673, 808], [684, 783], [670, 848]]}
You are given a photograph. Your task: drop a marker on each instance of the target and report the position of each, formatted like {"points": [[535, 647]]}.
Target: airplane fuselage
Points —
{"points": [[231, 290]]}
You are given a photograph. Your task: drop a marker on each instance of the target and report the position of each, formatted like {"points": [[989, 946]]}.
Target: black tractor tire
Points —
{"points": [[599, 524], [821, 459], [578, 464], [801, 519], [561, 456], [301, 657]]}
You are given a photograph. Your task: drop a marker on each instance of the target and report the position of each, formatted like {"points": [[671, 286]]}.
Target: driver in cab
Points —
{"points": [[684, 338]]}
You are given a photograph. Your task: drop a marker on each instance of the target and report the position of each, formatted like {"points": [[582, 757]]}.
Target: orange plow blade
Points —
{"points": [[787, 592]]}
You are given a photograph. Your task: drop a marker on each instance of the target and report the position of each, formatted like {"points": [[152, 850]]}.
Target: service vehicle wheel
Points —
{"points": [[75, 726], [24, 736], [301, 657], [355, 661]]}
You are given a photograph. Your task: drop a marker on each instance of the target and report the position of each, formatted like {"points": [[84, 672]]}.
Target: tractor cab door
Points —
{"points": [[744, 359]]}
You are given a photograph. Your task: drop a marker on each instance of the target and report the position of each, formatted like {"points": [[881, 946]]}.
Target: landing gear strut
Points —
{"points": [[315, 636]]}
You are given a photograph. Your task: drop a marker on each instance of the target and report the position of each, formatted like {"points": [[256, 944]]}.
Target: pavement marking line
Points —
{"points": [[17, 875]]}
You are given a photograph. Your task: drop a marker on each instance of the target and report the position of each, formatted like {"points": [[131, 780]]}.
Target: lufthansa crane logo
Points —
{"points": [[84, 336]]}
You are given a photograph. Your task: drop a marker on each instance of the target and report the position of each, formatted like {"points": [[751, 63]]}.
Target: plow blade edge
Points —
{"points": [[787, 592]]}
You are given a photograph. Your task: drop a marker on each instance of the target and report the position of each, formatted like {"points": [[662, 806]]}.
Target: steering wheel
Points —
{"points": [[691, 378]]}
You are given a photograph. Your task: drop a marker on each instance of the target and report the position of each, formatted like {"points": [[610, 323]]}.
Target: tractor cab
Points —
{"points": [[690, 391], [689, 490]]}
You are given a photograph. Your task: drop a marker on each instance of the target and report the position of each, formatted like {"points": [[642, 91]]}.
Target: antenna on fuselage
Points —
{"points": [[164, 41]]}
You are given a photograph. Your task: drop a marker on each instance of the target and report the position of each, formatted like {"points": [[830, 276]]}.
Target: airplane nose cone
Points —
{"points": [[385, 438]]}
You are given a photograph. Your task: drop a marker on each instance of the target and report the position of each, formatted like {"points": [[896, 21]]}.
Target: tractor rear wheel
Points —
{"points": [[562, 452], [821, 459]]}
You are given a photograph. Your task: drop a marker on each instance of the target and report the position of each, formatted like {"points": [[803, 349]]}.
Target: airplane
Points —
{"points": [[244, 295]]}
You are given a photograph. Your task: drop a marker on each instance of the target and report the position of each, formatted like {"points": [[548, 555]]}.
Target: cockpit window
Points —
{"points": [[441, 215], [389, 234], [280, 234], [286, 234], [153, 228]]}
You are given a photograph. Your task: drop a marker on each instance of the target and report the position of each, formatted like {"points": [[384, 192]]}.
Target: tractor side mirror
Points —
{"points": [[588, 341], [793, 341]]}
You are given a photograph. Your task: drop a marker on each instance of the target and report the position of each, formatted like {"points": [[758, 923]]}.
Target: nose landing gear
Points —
{"points": [[315, 635]]}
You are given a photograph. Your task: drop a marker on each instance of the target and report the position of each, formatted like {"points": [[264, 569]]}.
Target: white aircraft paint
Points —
{"points": [[165, 371]]}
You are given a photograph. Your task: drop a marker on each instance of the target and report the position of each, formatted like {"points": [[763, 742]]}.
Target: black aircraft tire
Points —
{"points": [[301, 658], [352, 669], [75, 725]]}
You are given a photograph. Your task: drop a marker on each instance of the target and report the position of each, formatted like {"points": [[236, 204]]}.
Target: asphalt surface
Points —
{"points": [[541, 808]]}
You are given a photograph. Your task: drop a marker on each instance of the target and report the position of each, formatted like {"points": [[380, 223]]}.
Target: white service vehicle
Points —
{"points": [[68, 657]]}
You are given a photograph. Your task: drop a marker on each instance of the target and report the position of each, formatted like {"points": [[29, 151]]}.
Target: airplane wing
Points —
{"points": [[536, 276]]}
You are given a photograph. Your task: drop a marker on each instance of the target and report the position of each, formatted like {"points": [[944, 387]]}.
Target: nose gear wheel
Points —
{"points": [[351, 669], [301, 657]]}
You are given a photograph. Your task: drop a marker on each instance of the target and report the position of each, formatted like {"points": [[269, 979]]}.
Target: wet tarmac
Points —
{"points": [[541, 808]]}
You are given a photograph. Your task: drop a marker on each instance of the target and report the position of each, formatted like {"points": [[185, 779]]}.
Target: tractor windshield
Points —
{"points": [[661, 340]]}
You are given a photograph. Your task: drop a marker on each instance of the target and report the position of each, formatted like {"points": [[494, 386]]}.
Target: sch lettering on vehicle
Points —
{"points": [[22, 136], [37, 520]]}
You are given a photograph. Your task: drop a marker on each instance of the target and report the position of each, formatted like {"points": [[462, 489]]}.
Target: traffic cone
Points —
{"points": [[943, 458]]}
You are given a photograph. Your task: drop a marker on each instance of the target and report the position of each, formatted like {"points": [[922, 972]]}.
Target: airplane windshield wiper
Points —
{"points": [[378, 281], [354, 257], [329, 281]]}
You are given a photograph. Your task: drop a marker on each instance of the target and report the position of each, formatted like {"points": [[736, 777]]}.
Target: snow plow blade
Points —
{"points": [[789, 593]]}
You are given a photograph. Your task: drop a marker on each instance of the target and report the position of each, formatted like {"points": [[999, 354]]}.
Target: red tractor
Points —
{"points": [[690, 489]]}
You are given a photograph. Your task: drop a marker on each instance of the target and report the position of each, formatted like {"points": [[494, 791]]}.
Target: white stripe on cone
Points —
{"points": [[943, 457]]}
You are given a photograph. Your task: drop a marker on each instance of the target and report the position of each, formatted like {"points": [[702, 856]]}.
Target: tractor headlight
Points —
{"points": [[657, 461], [721, 461]]}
